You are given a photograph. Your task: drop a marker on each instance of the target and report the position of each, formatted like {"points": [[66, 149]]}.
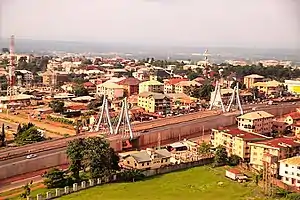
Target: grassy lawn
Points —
{"points": [[199, 183]]}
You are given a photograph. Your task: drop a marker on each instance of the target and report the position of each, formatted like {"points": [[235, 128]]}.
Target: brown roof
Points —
{"points": [[174, 81], [243, 134], [280, 142], [130, 81], [294, 115]]}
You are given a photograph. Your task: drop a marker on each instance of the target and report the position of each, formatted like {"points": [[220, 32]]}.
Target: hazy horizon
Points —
{"points": [[250, 24]]}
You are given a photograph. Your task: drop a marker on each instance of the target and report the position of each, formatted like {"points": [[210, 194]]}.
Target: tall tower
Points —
{"points": [[11, 90]]}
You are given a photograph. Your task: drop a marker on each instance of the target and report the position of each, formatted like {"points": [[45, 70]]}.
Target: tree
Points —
{"points": [[221, 157], [27, 191], [2, 136], [234, 160], [56, 178], [57, 106], [80, 90], [76, 152], [205, 91], [241, 85], [204, 148], [28, 134], [131, 175], [192, 75], [94, 105]]}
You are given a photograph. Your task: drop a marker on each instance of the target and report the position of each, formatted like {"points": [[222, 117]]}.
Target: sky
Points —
{"points": [[222, 23]]}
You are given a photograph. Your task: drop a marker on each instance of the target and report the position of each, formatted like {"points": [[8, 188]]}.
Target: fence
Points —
{"points": [[92, 182]]}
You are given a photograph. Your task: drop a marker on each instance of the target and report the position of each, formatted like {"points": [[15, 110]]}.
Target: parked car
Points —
{"points": [[31, 156]]}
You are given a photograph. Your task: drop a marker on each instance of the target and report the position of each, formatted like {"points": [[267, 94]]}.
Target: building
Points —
{"points": [[91, 87], [259, 122], [251, 79], [235, 141], [55, 78], [24, 77], [154, 102], [182, 101], [292, 118], [151, 86], [111, 90], [279, 147], [131, 85], [186, 86], [147, 159], [293, 86], [170, 84], [269, 87], [289, 170]]}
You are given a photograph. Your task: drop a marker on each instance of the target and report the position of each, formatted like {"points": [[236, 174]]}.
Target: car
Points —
{"points": [[31, 156]]}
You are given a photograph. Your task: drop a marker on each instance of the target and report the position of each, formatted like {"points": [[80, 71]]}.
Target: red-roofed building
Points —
{"points": [[235, 141], [131, 85], [292, 118], [90, 86], [170, 84], [281, 148]]}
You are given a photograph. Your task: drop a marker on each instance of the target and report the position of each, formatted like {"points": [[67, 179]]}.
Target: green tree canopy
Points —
{"points": [[80, 90], [55, 178], [28, 134], [57, 106], [221, 157]]}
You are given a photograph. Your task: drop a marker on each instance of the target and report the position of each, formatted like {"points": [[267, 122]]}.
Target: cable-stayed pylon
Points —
{"points": [[217, 94], [104, 121], [235, 97]]}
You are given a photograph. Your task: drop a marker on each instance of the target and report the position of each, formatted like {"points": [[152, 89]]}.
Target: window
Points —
{"points": [[298, 181], [128, 162], [287, 179], [285, 172], [148, 163], [143, 164], [286, 165], [298, 174]]}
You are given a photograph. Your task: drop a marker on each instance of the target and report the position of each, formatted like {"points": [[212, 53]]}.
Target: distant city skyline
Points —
{"points": [[233, 23]]}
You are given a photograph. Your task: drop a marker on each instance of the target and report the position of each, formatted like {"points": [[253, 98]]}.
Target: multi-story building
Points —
{"points": [[147, 159], [151, 86], [269, 87], [292, 118], [55, 78], [289, 171], [235, 141], [170, 84], [251, 79], [111, 90], [259, 122], [279, 147], [186, 86], [131, 85], [154, 102], [24, 76], [293, 86]]}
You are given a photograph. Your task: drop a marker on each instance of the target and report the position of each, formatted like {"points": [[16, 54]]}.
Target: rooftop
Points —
{"points": [[280, 142], [256, 115], [110, 85], [152, 82], [268, 84], [188, 83], [235, 132], [144, 156], [293, 115], [292, 161], [254, 76], [153, 94], [130, 81], [174, 81]]}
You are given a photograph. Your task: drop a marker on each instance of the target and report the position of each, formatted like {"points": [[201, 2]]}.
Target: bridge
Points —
{"points": [[52, 153]]}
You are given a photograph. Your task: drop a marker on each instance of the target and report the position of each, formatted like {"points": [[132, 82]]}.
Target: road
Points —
{"points": [[15, 154]]}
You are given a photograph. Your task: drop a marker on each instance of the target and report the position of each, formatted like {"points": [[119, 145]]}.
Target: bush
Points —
{"points": [[131, 175], [293, 196], [234, 160], [60, 120]]}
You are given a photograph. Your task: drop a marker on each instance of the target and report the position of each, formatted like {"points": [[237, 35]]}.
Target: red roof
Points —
{"points": [[88, 84], [77, 107], [294, 115], [235, 132], [280, 142], [174, 81], [130, 81], [235, 171]]}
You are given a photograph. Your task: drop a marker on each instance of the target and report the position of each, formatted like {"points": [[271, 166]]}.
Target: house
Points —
{"points": [[292, 118], [151, 86], [54, 78], [235, 174], [24, 76], [181, 100], [131, 85], [235, 141], [159, 74], [281, 148], [259, 122], [250, 80], [269, 87], [154, 102], [289, 170], [169, 85], [186, 86], [91, 87], [147, 159], [111, 90]]}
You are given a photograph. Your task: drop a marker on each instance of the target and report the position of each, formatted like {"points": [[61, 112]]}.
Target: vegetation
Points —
{"points": [[27, 190], [94, 105], [199, 183], [28, 134], [56, 178], [80, 90], [204, 148], [234, 160], [131, 175], [221, 157], [93, 154], [2, 137], [57, 106], [60, 120]]}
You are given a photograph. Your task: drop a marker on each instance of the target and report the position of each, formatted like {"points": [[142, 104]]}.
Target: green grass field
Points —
{"points": [[199, 183]]}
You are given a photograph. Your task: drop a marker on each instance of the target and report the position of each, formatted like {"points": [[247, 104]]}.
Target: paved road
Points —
{"points": [[49, 146]]}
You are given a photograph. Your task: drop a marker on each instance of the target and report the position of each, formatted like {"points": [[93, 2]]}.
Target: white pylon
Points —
{"points": [[235, 96], [104, 108], [217, 93], [124, 118]]}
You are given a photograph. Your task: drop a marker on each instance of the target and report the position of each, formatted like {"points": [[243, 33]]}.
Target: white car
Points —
{"points": [[31, 156]]}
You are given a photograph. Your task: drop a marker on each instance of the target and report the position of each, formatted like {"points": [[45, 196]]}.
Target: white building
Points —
{"points": [[111, 90], [293, 86], [289, 170]]}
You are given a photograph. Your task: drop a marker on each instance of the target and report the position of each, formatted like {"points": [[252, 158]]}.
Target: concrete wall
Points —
{"points": [[34, 164]]}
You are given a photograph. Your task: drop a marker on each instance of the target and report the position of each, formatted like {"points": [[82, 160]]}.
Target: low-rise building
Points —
{"points": [[186, 86], [269, 87], [151, 86], [131, 85], [293, 86], [111, 90], [154, 102], [170, 84], [147, 159], [250, 80], [281, 148], [289, 170], [235, 141], [292, 118], [259, 122]]}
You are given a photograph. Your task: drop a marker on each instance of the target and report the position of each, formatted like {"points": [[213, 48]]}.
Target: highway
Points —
{"points": [[16, 154]]}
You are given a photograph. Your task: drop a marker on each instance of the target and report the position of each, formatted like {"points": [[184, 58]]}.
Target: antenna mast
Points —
{"points": [[11, 90]]}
